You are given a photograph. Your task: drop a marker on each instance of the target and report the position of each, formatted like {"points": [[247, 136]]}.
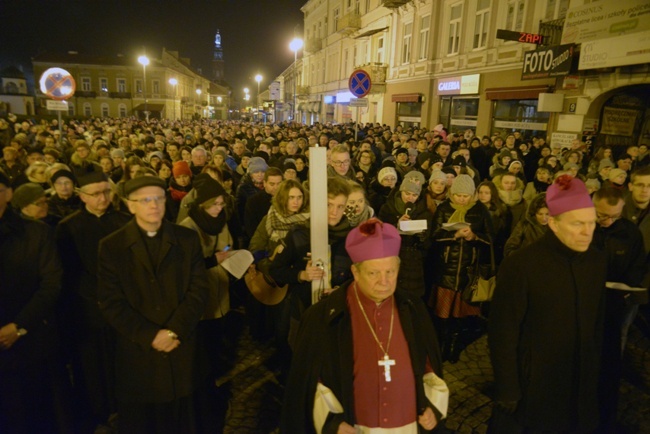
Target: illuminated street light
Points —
{"points": [[144, 61], [198, 95], [258, 79], [295, 45], [174, 83]]}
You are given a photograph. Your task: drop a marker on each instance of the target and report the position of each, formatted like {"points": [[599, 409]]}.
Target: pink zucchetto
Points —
{"points": [[373, 239], [567, 194]]}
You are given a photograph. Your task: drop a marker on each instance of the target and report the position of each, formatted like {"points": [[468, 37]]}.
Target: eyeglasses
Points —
{"points": [[341, 163], [149, 199], [97, 195], [605, 217], [641, 186]]}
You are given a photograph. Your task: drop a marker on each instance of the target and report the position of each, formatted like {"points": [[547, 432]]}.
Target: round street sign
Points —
{"points": [[359, 83], [57, 83]]}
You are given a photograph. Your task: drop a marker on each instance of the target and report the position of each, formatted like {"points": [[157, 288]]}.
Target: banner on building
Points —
{"points": [[600, 20], [618, 51], [547, 62], [618, 122]]}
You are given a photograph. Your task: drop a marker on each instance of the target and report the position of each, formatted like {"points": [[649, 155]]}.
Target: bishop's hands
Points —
{"points": [[165, 341], [8, 336], [428, 419]]}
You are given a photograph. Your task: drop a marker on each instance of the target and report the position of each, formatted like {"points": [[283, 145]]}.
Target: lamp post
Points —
{"points": [[144, 61], [295, 45], [174, 83], [198, 95], [258, 79]]}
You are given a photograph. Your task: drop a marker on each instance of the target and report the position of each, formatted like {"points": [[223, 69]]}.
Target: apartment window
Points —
{"points": [[122, 110], [515, 15], [138, 86], [406, 43], [103, 84], [455, 24], [354, 56], [337, 13], [318, 34], [105, 112], [556, 9], [346, 55], [85, 84], [425, 23], [88, 110], [481, 23], [155, 86], [380, 50], [70, 109], [367, 6], [121, 85], [357, 6]]}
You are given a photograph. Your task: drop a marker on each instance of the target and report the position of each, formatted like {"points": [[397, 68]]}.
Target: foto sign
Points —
{"points": [[547, 62], [529, 38]]}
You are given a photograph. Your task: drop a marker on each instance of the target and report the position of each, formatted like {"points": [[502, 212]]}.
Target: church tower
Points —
{"points": [[217, 59]]}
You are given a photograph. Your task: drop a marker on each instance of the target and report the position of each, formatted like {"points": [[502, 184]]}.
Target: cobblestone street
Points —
{"points": [[256, 395]]}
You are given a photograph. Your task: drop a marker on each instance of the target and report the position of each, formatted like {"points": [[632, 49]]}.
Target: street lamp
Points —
{"points": [[258, 79], [295, 45], [198, 95], [144, 61], [174, 83]]}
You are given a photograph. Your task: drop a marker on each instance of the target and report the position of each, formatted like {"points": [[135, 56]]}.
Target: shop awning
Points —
{"points": [[150, 107], [407, 97], [520, 92]]}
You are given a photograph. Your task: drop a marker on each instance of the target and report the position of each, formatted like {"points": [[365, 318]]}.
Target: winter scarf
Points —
{"points": [[366, 214], [177, 192], [208, 224], [460, 212], [278, 225]]}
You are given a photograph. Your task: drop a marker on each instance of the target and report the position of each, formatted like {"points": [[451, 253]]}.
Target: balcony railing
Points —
{"points": [[314, 44], [303, 90], [393, 4], [552, 31], [85, 94], [123, 95], [349, 22], [377, 71]]}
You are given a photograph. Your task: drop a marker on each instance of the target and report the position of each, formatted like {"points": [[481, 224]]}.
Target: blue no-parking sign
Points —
{"points": [[359, 83]]}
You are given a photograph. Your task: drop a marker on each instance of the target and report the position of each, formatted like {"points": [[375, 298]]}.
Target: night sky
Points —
{"points": [[255, 34]]}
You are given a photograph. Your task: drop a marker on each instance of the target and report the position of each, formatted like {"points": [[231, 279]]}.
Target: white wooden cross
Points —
{"points": [[386, 363]]}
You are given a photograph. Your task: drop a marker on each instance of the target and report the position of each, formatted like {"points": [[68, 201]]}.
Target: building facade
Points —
{"points": [[492, 66], [14, 96], [116, 87]]}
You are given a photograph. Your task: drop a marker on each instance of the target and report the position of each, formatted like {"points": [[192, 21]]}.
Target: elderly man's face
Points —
{"points": [[199, 158], [575, 229], [377, 278]]}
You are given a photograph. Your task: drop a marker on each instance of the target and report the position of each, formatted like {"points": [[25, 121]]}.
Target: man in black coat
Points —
{"points": [[257, 206], [152, 291], [546, 319], [91, 339], [32, 378], [375, 377]]}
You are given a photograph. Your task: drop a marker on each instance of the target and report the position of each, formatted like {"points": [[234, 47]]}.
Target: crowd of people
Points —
{"points": [[113, 297]]}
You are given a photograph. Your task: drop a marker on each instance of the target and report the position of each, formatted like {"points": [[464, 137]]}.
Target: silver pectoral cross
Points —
{"points": [[386, 363]]}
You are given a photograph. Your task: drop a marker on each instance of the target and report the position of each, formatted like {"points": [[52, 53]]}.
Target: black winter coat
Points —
{"points": [[414, 247], [545, 332], [138, 301], [456, 259]]}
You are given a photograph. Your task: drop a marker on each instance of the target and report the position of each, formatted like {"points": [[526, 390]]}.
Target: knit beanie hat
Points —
{"points": [[605, 162], [567, 194], [504, 153], [386, 171], [221, 153], [410, 186], [615, 173], [569, 165], [156, 154], [437, 174], [257, 164], [415, 176], [62, 174], [207, 188], [181, 168], [26, 194], [463, 184], [593, 183], [400, 151], [515, 162]]}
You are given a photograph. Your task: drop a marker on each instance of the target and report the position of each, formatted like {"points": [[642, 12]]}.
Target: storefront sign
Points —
{"points": [[571, 82], [605, 19], [562, 140], [619, 51], [547, 62], [274, 91], [529, 38], [463, 122], [520, 125], [590, 125], [463, 85], [618, 122]]}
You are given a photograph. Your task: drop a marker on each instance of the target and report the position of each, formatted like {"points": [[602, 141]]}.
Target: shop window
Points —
{"points": [[459, 113], [519, 115]]}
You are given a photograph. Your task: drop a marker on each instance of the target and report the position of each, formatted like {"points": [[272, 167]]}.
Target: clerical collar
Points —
{"points": [[150, 234]]}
